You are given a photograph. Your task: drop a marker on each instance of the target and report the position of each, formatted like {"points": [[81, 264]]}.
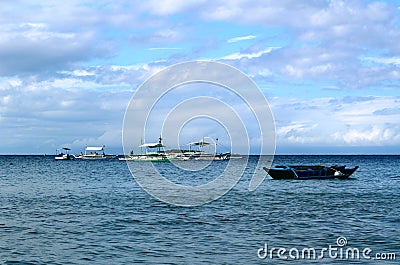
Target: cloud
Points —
{"points": [[376, 135], [169, 7], [236, 39], [382, 60], [326, 39], [55, 58], [387, 111], [322, 123], [240, 55], [352, 99], [107, 76], [321, 40], [162, 36], [43, 38], [32, 48], [48, 117]]}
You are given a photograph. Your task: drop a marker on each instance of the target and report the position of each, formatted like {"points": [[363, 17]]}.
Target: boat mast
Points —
{"points": [[159, 145]]}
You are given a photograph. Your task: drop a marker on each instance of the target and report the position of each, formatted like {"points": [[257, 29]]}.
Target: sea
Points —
{"points": [[94, 212]]}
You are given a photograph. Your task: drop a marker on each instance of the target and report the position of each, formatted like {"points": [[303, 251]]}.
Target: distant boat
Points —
{"points": [[310, 172], [200, 154], [94, 152], [154, 152], [61, 156]]}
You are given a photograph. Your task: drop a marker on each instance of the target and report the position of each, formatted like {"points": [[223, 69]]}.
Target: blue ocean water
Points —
{"points": [[93, 212]]}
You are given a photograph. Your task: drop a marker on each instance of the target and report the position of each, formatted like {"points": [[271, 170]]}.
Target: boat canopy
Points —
{"points": [[152, 145], [94, 148], [64, 148], [201, 143]]}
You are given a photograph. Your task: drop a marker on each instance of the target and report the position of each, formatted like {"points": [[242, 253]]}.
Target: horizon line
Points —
{"points": [[284, 154]]}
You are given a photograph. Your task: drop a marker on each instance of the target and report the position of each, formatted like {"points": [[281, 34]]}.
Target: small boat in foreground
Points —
{"points": [[310, 172]]}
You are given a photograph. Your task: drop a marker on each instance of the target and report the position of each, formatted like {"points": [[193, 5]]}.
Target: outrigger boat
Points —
{"points": [[61, 156], [149, 156], [200, 154], [310, 172], [94, 152]]}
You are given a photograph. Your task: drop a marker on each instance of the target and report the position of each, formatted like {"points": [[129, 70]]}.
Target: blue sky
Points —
{"points": [[329, 69]]}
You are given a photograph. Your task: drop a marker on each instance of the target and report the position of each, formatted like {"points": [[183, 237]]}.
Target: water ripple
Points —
{"points": [[94, 212]]}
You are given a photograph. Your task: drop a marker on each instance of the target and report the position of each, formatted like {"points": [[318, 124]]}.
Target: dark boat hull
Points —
{"points": [[310, 172]]}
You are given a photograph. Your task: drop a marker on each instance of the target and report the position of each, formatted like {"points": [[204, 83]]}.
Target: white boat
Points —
{"points": [[61, 156], [200, 154], [158, 155], [203, 156], [94, 152]]}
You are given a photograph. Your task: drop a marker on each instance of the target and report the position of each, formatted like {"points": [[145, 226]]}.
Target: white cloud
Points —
{"points": [[107, 76], [49, 117], [337, 122], [326, 39], [47, 53], [169, 7], [31, 48], [236, 39], [79, 72], [382, 60], [71, 33], [377, 135], [238, 55]]}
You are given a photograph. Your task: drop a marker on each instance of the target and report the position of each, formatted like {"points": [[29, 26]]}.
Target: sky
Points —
{"points": [[330, 70]]}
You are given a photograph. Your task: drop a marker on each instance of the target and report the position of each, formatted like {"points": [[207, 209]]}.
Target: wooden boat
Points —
{"points": [[149, 156], [200, 154], [94, 152], [61, 156], [310, 172], [146, 158]]}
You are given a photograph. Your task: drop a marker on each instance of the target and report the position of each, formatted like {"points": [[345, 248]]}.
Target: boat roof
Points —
{"points": [[64, 148], [94, 148], [151, 145], [199, 143]]}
